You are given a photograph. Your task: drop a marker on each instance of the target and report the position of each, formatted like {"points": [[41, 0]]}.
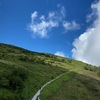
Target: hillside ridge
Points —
{"points": [[24, 72]]}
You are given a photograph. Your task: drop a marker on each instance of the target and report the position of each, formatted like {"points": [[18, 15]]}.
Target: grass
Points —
{"points": [[42, 67], [51, 89], [80, 87]]}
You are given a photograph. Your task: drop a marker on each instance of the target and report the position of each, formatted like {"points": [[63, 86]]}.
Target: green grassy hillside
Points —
{"points": [[22, 73]]}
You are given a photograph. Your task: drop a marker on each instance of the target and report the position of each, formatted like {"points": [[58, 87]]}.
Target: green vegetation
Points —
{"points": [[11, 78], [78, 88], [98, 72], [22, 73], [52, 88]]}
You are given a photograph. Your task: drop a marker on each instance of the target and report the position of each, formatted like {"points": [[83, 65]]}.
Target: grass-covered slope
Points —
{"points": [[22, 73]]}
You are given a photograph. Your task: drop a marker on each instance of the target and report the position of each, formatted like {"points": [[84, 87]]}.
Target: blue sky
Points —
{"points": [[47, 25]]}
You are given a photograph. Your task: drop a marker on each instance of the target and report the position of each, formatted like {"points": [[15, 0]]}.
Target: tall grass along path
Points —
{"points": [[36, 96]]}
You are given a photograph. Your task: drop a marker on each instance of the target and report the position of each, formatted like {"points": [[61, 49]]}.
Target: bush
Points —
{"points": [[13, 78], [86, 68], [90, 68], [16, 83], [98, 73]]}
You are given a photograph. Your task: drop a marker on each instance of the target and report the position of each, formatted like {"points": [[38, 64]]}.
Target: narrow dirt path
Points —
{"points": [[36, 96]]}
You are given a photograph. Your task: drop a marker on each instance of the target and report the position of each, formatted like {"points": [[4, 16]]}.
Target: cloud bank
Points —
{"points": [[41, 25], [60, 54], [86, 46]]}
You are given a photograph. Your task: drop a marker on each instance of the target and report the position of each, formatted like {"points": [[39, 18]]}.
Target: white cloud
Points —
{"points": [[60, 54], [70, 25], [62, 10], [42, 25], [51, 15], [41, 29], [34, 15], [86, 46], [92, 15]]}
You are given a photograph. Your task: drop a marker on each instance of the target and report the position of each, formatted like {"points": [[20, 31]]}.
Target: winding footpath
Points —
{"points": [[36, 96]]}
